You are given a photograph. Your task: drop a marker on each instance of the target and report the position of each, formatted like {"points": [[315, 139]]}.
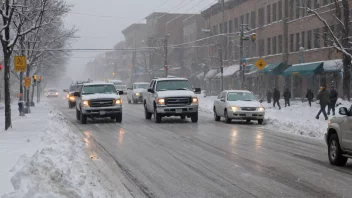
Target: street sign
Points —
{"points": [[260, 64], [27, 81], [20, 63]]}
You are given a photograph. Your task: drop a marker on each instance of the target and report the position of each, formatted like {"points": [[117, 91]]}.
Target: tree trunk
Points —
{"points": [[28, 106], [8, 122], [346, 76], [345, 44]]}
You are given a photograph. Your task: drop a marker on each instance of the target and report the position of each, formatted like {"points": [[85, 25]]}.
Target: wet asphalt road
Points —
{"points": [[213, 159]]}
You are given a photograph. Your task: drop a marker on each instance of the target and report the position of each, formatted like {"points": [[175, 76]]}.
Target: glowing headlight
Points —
{"points": [[72, 98], [234, 108], [118, 101], [138, 94], [85, 103], [195, 100], [68, 96], [57, 93], [261, 109], [161, 101]]}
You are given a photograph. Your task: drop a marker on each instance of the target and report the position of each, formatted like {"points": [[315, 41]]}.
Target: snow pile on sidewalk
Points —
{"points": [[60, 168], [299, 118]]}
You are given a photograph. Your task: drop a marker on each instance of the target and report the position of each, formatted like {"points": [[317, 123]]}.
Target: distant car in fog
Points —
{"points": [[52, 93], [135, 93], [119, 85]]}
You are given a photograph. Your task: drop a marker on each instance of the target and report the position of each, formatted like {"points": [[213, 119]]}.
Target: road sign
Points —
{"points": [[20, 63], [260, 64], [27, 81]]}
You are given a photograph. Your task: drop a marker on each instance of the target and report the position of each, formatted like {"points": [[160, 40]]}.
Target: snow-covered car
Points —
{"points": [[98, 100], [171, 97], [52, 93], [119, 85], [339, 137], [135, 93], [238, 105]]}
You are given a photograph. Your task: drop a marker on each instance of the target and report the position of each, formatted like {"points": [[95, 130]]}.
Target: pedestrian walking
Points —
{"points": [[324, 100], [333, 99], [310, 96], [269, 95], [277, 98], [287, 96]]}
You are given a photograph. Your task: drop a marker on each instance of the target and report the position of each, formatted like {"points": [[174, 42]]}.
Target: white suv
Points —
{"points": [[339, 137]]}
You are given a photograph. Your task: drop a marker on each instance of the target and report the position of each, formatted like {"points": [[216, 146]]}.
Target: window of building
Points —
{"points": [[268, 44], [221, 29], [292, 7], [247, 19], [309, 39], [274, 12], [230, 26], [274, 45], [297, 42], [253, 49], [303, 39], [268, 14], [309, 3], [291, 42], [253, 18], [316, 38], [225, 27], [326, 2], [328, 41], [260, 17], [261, 47], [241, 20], [235, 23], [316, 4], [279, 38], [298, 8], [279, 9]]}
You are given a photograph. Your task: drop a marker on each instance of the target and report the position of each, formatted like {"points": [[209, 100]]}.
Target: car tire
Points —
{"points": [[335, 152], [119, 118], [248, 120], [147, 114], [227, 119], [78, 114], [216, 117], [260, 121], [157, 116], [83, 118], [183, 117], [129, 101], [194, 118]]}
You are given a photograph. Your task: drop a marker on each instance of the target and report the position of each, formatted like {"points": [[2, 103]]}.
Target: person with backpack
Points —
{"points": [[287, 96], [333, 95], [324, 100], [310, 96], [277, 98]]}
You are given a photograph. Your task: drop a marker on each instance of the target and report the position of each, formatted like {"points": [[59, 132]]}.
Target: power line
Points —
{"points": [[93, 15]]}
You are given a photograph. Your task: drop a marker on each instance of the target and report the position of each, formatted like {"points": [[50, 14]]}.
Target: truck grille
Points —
{"points": [[249, 108], [101, 103], [178, 101]]}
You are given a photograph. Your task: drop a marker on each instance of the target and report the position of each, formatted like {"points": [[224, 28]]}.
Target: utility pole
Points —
{"points": [[166, 68], [224, 50], [241, 53], [21, 102]]}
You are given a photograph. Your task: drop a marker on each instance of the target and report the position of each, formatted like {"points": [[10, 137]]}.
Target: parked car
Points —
{"points": [[171, 97], [339, 137], [52, 93], [239, 105], [98, 100], [119, 85], [135, 93]]}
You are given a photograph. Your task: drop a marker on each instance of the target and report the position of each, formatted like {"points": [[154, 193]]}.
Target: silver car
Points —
{"points": [[135, 93], [239, 105]]}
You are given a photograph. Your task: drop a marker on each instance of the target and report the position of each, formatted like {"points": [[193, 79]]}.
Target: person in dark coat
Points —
{"points": [[287, 96], [277, 98], [310, 96], [324, 98], [269, 95], [333, 99]]}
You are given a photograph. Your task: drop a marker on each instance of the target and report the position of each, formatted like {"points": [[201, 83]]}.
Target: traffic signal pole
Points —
{"points": [[241, 53]]}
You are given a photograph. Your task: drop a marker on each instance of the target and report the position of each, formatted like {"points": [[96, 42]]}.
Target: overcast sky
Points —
{"points": [[100, 22]]}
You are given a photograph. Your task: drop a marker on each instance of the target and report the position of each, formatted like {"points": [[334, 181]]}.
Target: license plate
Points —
{"points": [[249, 115], [178, 110], [102, 112]]}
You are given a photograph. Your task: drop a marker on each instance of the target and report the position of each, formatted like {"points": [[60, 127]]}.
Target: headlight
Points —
{"points": [[234, 108], [118, 101], [161, 101], [329, 122], [57, 93], [194, 100], [72, 98], [138, 94], [85, 103], [68, 96], [261, 109]]}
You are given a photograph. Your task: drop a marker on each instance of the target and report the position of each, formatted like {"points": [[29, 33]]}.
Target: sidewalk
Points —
{"points": [[42, 157]]}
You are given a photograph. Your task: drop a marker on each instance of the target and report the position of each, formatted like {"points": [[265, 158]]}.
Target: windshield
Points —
{"points": [[117, 83], [140, 86], [173, 85], [73, 88], [99, 89], [52, 90], [242, 96]]}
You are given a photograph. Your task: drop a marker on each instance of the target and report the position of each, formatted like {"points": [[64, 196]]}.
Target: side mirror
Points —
{"points": [[197, 90], [261, 101], [65, 90], [151, 90], [222, 99], [121, 92], [130, 88], [77, 94], [343, 111]]}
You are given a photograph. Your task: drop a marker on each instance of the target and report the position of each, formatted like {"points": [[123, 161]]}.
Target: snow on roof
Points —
{"points": [[229, 71], [210, 73], [138, 83], [241, 91], [174, 78], [336, 64], [97, 83]]}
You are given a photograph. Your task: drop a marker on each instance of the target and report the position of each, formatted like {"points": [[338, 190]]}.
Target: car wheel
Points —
{"points": [[227, 119], [119, 118], [194, 118], [129, 101], [157, 116], [183, 117], [216, 117], [147, 114], [83, 118], [335, 152], [260, 121], [248, 120], [78, 114]]}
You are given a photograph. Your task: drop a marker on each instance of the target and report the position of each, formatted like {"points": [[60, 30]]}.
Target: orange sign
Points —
{"points": [[27, 81]]}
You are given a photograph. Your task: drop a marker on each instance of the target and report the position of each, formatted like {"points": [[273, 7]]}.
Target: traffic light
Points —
{"points": [[254, 36], [34, 78], [40, 79], [0, 67]]}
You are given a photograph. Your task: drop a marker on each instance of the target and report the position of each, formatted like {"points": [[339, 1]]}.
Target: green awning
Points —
{"points": [[274, 69], [305, 69]]}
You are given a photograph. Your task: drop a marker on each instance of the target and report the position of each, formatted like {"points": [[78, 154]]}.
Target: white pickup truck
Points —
{"points": [[171, 97]]}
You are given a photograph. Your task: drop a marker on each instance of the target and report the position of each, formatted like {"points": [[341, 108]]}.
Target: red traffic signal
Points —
{"points": [[0, 67]]}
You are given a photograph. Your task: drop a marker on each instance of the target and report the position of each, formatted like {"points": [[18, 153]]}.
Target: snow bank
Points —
{"points": [[298, 119], [60, 168]]}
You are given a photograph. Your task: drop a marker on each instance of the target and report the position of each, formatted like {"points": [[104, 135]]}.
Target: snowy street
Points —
{"points": [[181, 159]]}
